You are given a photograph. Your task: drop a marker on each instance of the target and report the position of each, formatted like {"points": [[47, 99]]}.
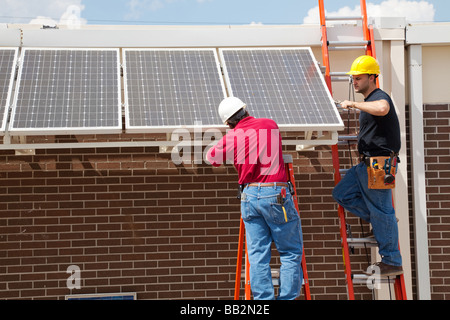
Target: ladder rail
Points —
{"points": [[237, 284], [343, 228], [248, 289], [325, 54], [364, 19], [335, 157], [290, 174]]}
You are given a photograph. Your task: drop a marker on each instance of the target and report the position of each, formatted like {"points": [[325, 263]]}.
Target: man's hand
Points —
{"points": [[346, 104]]}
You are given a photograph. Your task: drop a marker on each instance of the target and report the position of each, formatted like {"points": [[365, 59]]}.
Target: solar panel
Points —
{"points": [[283, 84], [8, 60], [171, 88], [65, 91]]}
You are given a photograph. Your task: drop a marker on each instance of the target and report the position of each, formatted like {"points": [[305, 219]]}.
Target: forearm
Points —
{"points": [[376, 108]]}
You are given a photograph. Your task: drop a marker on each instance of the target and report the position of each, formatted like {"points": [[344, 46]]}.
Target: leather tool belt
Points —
{"points": [[381, 171]]}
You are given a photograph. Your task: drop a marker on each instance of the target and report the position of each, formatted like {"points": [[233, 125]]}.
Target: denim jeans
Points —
{"points": [[373, 206], [265, 222]]}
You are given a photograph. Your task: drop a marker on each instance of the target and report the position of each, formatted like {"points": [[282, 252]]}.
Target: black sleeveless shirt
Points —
{"points": [[379, 135]]}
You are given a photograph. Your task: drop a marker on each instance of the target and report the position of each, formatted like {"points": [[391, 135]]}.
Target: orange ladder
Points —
{"points": [[237, 287], [368, 44]]}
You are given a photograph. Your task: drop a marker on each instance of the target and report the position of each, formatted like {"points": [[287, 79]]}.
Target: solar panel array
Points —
{"points": [[284, 84], [68, 90], [8, 58], [77, 91], [172, 88]]}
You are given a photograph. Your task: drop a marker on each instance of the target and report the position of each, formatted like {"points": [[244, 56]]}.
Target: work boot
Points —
{"points": [[384, 270]]}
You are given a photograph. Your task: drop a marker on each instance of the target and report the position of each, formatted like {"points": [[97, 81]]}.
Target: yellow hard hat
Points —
{"points": [[364, 65]]}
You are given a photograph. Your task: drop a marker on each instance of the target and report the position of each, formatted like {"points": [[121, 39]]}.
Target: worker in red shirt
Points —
{"points": [[254, 147]]}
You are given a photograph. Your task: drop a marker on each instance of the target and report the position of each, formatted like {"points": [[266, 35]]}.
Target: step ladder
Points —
{"points": [[347, 241], [288, 162]]}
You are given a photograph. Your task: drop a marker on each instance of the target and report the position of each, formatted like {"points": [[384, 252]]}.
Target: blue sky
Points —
{"points": [[228, 11], [201, 12]]}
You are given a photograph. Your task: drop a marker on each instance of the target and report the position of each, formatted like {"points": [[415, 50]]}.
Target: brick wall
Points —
{"points": [[437, 173]]}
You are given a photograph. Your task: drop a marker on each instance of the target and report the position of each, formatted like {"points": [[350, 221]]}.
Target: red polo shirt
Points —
{"points": [[254, 147]]}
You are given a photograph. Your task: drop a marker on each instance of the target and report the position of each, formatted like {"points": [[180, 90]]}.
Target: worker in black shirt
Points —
{"points": [[379, 136]]}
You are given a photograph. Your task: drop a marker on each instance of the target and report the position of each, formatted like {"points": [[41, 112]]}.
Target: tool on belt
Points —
{"points": [[381, 171], [240, 190], [281, 199]]}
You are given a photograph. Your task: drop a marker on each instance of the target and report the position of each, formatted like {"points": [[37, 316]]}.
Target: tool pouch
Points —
{"points": [[381, 172], [240, 190]]}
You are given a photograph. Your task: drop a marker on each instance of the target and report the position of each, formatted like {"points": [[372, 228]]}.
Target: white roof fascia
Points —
{"points": [[10, 37], [428, 34], [181, 36]]}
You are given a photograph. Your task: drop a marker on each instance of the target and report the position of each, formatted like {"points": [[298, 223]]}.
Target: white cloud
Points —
{"points": [[71, 18], [44, 21], [50, 9], [412, 10], [48, 12]]}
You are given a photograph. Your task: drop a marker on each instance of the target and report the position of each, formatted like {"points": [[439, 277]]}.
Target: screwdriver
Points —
{"points": [[283, 195]]}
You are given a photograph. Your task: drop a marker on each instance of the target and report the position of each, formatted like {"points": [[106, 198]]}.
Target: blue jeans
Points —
{"points": [[265, 222], [373, 206]]}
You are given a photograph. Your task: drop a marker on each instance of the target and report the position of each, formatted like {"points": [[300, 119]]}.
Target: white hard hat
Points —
{"points": [[229, 106]]}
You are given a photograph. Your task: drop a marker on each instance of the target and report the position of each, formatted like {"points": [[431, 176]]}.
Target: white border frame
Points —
{"points": [[167, 129], [66, 130], [291, 127], [10, 87]]}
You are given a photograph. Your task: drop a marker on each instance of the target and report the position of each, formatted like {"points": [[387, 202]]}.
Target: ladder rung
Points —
{"points": [[275, 273], [348, 138], [362, 279], [348, 43], [343, 18], [346, 48], [345, 140], [336, 78], [343, 171], [362, 242], [339, 74]]}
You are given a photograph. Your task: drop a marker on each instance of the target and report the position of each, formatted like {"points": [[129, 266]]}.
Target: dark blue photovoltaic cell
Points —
{"points": [[7, 69], [281, 84], [172, 88], [68, 90]]}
